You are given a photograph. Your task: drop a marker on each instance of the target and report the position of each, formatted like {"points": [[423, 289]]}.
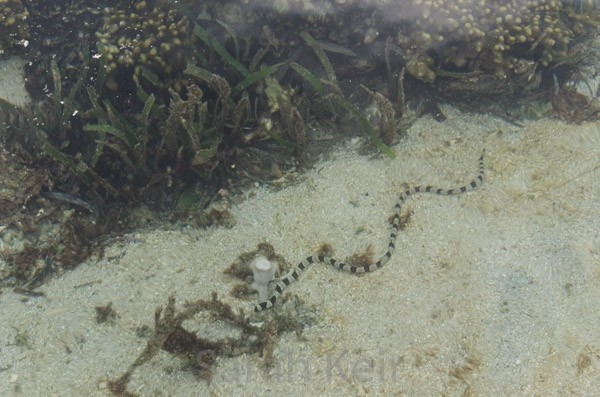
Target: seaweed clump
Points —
{"points": [[41, 234], [106, 314], [241, 268], [575, 107], [14, 25], [199, 353]]}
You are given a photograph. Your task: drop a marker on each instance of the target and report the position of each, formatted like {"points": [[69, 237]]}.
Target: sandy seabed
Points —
{"points": [[493, 292]]}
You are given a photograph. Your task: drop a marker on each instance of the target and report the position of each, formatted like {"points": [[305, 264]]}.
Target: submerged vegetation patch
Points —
{"points": [[172, 106]]}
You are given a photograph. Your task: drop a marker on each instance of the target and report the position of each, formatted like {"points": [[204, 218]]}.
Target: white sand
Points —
{"points": [[12, 81], [494, 292]]}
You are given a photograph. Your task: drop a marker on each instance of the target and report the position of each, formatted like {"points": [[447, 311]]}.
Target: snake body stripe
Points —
{"points": [[294, 274]]}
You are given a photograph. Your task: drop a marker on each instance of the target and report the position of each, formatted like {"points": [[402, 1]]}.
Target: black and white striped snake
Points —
{"points": [[294, 274]]}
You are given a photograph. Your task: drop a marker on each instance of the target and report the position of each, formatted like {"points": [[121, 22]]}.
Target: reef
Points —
{"points": [[499, 37], [175, 105], [494, 44]]}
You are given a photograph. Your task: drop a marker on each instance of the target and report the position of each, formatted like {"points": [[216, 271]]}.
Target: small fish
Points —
{"points": [[67, 198]]}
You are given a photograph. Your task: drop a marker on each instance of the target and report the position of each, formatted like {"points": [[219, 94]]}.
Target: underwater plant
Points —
{"points": [[164, 103]]}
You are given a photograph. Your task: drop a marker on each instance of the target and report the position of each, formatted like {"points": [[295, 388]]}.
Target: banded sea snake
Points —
{"points": [[294, 274]]}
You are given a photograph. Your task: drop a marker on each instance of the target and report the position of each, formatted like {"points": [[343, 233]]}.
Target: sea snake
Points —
{"points": [[294, 274]]}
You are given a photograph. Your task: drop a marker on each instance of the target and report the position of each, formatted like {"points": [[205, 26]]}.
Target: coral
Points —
{"points": [[491, 36], [147, 34], [489, 41]]}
